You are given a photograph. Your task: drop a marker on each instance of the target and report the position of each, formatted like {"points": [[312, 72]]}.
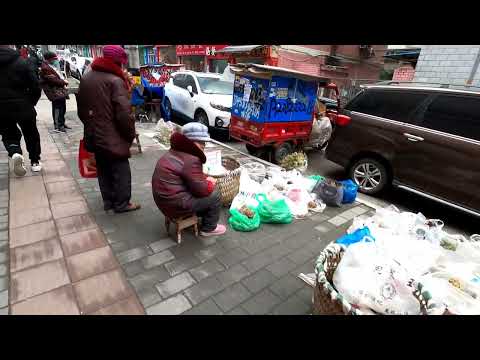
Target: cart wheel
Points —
{"points": [[255, 151], [281, 151]]}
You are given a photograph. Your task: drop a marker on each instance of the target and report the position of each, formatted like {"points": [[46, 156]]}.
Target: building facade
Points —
{"points": [[449, 64], [203, 58]]}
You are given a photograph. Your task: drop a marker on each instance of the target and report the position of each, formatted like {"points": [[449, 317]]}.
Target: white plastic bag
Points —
{"points": [[247, 192], [321, 131], [368, 278]]}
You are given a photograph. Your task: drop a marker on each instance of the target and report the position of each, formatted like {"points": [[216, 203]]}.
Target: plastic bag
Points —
{"points": [[321, 131], [273, 212], [241, 222], [247, 192], [349, 191], [330, 192], [297, 201], [367, 278], [356, 236], [87, 165], [256, 171]]}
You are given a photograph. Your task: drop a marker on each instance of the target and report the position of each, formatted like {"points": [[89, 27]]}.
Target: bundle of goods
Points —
{"points": [[296, 160], [398, 263], [164, 130]]}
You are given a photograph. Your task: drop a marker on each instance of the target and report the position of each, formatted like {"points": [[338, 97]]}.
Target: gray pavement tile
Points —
{"points": [[208, 307], [149, 278], [210, 252], [3, 298], [172, 306], [119, 246], [179, 265], [3, 235], [281, 267], [175, 284], [133, 268], [287, 286], [300, 256], [320, 217], [232, 257], [3, 257], [307, 268], [203, 290], [149, 296], [3, 283], [358, 210], [232, 275], [157, 259], [292, 306], [4, 311], [325, 227], [305, 294], [3, 270], [232, 296], [261, 303], [238, 311], [206, 269], [266, 257], [259, 280], [133, 254], [162, 244], [337, 220]]}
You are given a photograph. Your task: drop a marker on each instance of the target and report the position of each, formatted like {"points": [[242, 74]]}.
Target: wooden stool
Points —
{"points": [[182, 223]]}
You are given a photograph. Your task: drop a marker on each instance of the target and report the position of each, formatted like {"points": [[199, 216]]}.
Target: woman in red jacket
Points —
{"points": [[180, 187]]}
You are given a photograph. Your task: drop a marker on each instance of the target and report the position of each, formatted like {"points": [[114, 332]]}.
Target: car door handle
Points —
{"points": [[413, 137]]}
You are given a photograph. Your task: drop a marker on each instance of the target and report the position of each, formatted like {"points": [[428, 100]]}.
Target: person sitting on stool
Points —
{"points": [[179, 186]]}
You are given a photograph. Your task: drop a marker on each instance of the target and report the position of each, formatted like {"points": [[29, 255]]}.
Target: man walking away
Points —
{"points": [[55, 87], [19, 93], [109, 128]]}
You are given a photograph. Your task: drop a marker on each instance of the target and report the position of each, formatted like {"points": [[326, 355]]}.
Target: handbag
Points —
{"points": [[86, 162], [329, 191]]}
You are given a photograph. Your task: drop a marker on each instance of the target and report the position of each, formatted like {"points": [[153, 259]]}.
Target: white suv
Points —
{"points": [[202, 97]]}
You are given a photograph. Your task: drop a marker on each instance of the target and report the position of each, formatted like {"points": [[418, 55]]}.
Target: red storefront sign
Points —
{"points": [[210, 51]]}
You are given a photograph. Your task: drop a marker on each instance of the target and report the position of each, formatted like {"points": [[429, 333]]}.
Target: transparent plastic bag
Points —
{"points": [[247, 192]]}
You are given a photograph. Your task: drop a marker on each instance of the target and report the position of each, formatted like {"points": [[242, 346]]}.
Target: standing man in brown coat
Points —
{"points": [[109, 127]]}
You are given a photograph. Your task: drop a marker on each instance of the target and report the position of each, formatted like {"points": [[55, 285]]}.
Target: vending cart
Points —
{"points": [[273, 109]]}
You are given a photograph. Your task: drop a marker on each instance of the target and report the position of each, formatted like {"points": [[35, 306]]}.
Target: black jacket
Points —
{"points": [[19, 87]]}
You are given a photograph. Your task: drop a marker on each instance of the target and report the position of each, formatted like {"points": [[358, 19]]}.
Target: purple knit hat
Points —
{"points": [[115, 53]]}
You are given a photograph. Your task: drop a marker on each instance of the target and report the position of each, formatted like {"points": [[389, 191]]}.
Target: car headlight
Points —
{"points": [[220, 107]]}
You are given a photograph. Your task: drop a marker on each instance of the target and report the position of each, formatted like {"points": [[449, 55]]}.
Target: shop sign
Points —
{"points": [[200, 50]]}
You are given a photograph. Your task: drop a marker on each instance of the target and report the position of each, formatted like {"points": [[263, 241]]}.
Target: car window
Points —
{"points": [[190, 81], [457, 115], [387, 104], [179, 80]]}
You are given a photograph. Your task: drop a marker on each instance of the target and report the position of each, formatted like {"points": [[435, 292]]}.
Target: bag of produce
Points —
{"points": [[245, 219], [330, 192], [349, 191], [273, 212], [247, 192]]}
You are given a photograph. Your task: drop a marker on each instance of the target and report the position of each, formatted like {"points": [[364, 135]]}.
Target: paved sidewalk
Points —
{"points": [[238, 273], [60, 261]]}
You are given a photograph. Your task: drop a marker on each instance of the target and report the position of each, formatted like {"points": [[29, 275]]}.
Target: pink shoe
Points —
{"points": [[219, 230]]}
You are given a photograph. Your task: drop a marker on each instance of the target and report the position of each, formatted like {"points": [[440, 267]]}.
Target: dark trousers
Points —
{"points": [[115, 181], [208, 208], [59, 108], [11, 134]]}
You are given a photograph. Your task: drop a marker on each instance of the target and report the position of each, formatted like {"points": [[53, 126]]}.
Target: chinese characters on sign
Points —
{"points": [[201, 50]]}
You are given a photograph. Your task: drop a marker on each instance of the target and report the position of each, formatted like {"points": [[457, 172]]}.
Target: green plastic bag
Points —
{"points": [[273, 212], [241, 222], [316, 177]]}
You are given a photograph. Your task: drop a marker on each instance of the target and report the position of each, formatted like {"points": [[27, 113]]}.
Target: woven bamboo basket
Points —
{"points": [[228, 184], [327, 301]]}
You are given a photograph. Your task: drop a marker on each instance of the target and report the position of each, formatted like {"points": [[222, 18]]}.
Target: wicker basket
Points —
{"points": [[228, 184], [327, 301]]}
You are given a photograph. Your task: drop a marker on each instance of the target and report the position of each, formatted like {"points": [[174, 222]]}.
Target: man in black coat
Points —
{"points": [[19, 93]]}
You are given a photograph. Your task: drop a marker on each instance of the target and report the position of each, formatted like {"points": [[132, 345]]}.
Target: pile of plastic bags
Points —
{"points": [[389, 252]]}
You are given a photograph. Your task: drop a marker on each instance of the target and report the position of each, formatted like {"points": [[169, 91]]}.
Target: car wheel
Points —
{"points": [[281, 151], [370, 175], [201, 118], [168, 109]]}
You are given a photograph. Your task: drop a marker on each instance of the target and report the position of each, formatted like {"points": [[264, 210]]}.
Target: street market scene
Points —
{"points": [[240, 180]]}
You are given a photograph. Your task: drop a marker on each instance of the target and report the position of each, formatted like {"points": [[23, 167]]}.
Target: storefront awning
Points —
{"points": [[239, 49]]}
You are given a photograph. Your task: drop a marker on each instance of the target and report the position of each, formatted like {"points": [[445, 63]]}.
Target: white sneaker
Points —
{"points": [[36, 167], [19, 165]]}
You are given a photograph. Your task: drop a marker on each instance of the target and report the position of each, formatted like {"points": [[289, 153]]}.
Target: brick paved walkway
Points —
{"points": [[81, 256], [237, 273]]}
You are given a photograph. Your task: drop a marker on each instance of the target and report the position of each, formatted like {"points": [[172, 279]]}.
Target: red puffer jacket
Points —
{"points": [[52, 84], [178, 178], [104, 108]]}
